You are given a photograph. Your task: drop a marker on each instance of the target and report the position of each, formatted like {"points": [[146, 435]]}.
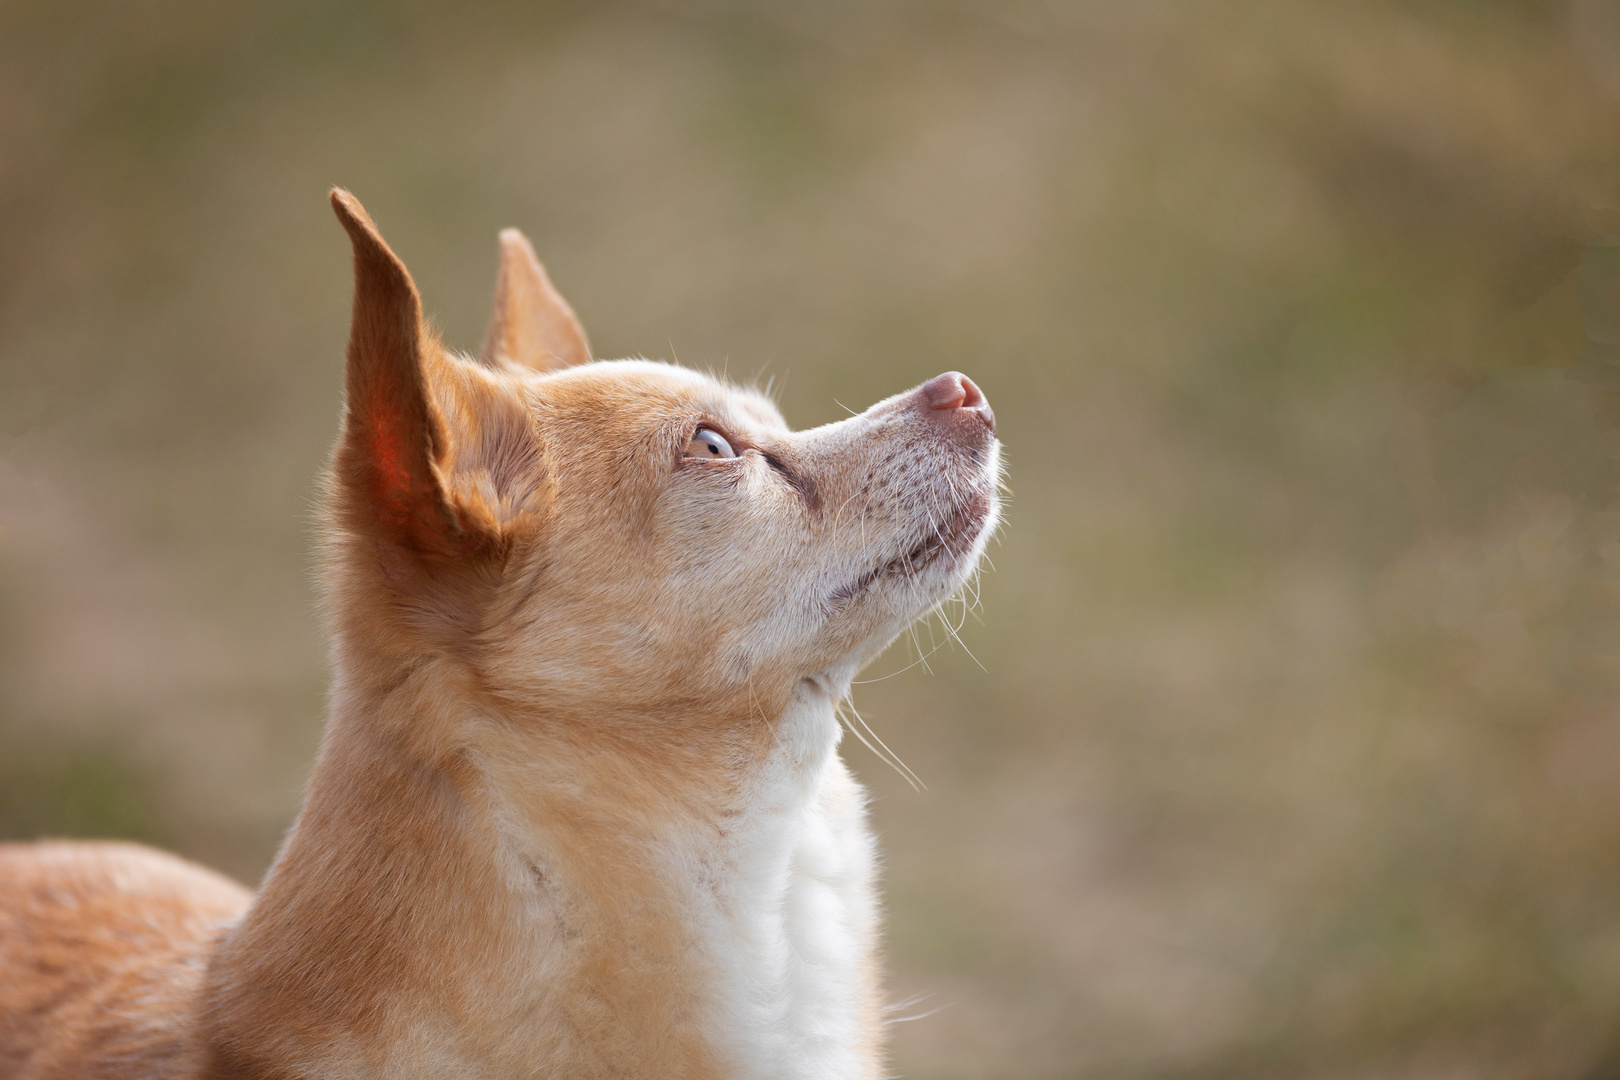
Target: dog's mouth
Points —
{"points": [[949, 539]]}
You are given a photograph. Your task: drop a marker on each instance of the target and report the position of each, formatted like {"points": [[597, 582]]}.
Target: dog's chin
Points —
{"points": [[953, 561], [932, 567], [898, 600]]}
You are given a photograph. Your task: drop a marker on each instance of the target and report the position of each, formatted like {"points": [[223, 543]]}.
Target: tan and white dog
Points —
{"points": [[578, 811]]}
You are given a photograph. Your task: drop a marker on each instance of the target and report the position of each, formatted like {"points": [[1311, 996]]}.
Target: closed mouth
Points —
{"points": [[951, 537]]}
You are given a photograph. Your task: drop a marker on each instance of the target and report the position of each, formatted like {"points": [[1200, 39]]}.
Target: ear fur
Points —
{"points": [[532, 327], [394, 434]]}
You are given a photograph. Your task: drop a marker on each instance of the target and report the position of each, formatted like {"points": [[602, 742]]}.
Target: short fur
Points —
{"points": [[578, 810]]}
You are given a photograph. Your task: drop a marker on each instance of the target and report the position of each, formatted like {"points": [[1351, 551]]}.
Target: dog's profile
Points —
{"points": [[578, 810]]}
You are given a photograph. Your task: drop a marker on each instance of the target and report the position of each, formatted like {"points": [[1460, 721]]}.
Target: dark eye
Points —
{"points": [[708, 443]]}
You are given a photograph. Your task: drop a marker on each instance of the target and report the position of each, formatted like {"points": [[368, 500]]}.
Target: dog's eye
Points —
{"points": [[708, 443]]}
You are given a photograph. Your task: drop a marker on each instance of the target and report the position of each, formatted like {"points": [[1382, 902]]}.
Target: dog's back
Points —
{"points": [[103, 950]]}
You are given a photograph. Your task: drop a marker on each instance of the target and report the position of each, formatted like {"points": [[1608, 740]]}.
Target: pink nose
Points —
{"points": [[954, 391]]}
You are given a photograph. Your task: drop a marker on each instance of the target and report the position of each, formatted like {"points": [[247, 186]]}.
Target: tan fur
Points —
{"points": [[580, 677], [103, 950], [533, 326]]}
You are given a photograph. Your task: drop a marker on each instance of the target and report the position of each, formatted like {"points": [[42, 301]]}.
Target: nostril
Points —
{"points": [[971, 397], [946, 391]]}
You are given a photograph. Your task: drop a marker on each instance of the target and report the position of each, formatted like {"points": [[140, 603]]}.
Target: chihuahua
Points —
{"points": [[578, 810]]}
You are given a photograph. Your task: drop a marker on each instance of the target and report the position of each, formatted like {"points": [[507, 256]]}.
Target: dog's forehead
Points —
{"points": [[651, 391]]}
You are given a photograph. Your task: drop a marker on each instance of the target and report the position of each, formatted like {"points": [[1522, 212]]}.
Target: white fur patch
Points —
{"points": [[788, 926]]}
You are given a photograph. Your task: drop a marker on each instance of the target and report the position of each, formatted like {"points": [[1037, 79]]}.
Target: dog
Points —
{"points": [[578, 809]]}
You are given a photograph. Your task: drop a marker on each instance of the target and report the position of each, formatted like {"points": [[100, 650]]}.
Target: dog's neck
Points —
{"points": [[529, 898]]}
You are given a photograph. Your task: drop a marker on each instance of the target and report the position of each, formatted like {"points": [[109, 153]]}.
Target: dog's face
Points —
{"points": [[695, 548], [627, 538]]}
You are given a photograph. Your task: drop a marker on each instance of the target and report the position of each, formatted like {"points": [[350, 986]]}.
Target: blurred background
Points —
{"points": [[1289, 740]]}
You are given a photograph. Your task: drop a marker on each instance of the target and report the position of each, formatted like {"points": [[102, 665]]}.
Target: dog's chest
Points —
{"points": [[788, 923]]}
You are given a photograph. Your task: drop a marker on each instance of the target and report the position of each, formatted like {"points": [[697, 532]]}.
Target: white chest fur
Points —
{"points": [[789, 923]]}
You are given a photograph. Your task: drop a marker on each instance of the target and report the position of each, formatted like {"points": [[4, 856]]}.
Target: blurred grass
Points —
{"points": [[89, 790], [1295, 747]]}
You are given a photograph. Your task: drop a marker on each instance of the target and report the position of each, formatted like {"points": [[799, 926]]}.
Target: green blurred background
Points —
{"points": [[1295, 749]]}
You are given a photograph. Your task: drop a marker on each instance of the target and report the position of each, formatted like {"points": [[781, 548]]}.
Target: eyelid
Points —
{"points": [[738, 443], [734, 448]]}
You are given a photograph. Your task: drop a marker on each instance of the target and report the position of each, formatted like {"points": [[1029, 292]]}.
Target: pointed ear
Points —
{"points": [[532, 327], [393, 433]]}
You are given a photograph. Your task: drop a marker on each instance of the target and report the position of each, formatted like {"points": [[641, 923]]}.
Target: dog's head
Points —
{"points": [[629, 539]]}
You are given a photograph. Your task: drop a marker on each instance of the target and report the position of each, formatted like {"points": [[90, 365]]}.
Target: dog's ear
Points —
{"points": [[533, 327], [389, 465]]}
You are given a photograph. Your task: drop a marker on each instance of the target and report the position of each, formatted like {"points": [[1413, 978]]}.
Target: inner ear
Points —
{"points": [[533, 328], [493, 462]]}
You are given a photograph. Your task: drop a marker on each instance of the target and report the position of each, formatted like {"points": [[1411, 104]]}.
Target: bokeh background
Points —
{"points": [[1286, 739]]}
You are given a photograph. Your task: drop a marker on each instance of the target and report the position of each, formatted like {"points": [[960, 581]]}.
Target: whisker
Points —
{"points": [[907, 1003], [886, 754], [919, 1016], [866, 742]]}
